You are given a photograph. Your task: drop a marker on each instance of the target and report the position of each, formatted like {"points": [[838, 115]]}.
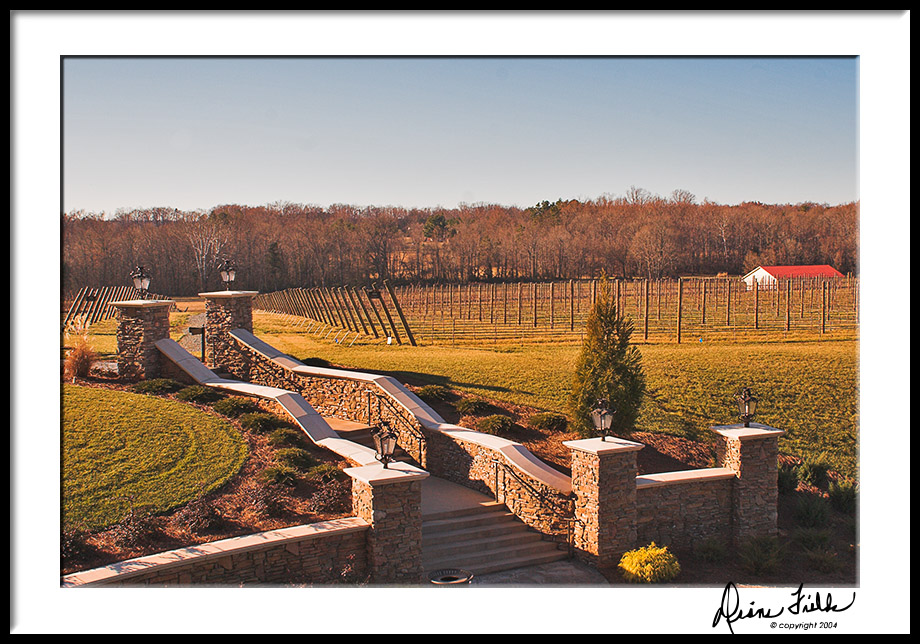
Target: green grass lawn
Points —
{"points": [[807, 388], [120, 448]]}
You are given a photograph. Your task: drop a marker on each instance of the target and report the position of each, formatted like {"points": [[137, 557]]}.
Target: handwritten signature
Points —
{"points": [[730, 609]]}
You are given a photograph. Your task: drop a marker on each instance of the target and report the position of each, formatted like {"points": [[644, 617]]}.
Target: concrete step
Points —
{"points": [[498, 559], [480, 543], [504, 518], [482, 539]]}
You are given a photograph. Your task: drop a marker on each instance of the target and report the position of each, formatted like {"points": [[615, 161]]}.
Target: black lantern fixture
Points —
{"points": [[227, 272], [602, 417], [141, 279], [747, 405], [385, 443]]}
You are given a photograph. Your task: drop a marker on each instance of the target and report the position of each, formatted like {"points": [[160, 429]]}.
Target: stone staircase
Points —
{"points": [[482, 537], [483, 540]]}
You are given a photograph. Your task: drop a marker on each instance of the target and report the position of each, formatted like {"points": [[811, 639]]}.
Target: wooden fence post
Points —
{"points": [[680, 305]]}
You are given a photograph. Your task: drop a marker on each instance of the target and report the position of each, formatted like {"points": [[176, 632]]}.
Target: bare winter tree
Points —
{"points": [[208, 236]]}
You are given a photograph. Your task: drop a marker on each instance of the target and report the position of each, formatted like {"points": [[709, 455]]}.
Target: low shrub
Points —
{"points": [[787, 479], [333, 496], [279, 475], [472, 406], [200, 515], [497, 425], [74, 545], [260, 422], [822, 560], [760, 555], [711, 550], [199, 394], [295, 458], [548, 422], [157, 386], [286, 437], [136, 529], [812, 511], [80, 358], [812, 538], [323, 473], [266, 499], [435, 393], [236, 406], [813, 470], [842, 496], [649, 565]]}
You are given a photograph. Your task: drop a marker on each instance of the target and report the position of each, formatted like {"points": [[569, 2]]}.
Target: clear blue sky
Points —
{"points": [[426, 131]]}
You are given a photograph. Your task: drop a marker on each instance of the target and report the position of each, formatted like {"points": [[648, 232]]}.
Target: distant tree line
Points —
{"points": [[283, 245]]}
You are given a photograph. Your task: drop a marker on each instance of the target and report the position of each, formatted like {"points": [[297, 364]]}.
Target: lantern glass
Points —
{"points": [[602, 418], [385, 443], [747, 406]]}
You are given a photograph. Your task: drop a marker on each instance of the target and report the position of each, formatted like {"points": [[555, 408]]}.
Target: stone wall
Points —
{"points": [[479, 467], [344, 398], [331, 552], [685, 513]]}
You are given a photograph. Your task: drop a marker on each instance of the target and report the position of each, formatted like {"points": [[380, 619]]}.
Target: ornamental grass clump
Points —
{"points": [[80, 358], [649, 565], [842, 496]]}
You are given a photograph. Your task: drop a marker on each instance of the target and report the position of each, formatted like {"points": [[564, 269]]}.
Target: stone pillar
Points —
{"points": [[226, 311], [390, 499], [604, 482], [141, 323], [751, 452]]}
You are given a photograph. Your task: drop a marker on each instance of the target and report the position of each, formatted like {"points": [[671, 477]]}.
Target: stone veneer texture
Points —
{"points": [[138, 330], [684, 514], [223, 314], [605, 509], [755, 491], [332, 558], [394, 543]]}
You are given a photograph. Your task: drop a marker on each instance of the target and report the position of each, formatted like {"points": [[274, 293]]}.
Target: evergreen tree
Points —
{"points": [[608, 368]]}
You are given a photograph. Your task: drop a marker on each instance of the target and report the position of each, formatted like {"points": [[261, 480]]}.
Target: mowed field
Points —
{"points": [[808, 388]]}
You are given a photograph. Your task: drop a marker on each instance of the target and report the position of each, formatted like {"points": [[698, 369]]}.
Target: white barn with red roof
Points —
{"points": [[767, 276]]}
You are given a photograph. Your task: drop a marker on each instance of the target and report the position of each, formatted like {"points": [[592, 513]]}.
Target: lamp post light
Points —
{"points": [[227, 272], [385, 443], [602, 417], [747, 405], [141, 279]]}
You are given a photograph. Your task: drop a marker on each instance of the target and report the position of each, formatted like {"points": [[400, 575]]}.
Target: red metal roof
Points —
{"points": [[819, 270]]}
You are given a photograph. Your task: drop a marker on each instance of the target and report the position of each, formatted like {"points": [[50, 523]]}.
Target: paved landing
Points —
{"points": [[569, 573], [439, 495]]}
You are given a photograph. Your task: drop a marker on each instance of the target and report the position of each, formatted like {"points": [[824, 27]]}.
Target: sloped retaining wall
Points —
{"points": [[323, 553]]}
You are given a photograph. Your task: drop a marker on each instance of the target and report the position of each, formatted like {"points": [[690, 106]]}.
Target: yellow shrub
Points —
{"points": [[649, 565]]}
